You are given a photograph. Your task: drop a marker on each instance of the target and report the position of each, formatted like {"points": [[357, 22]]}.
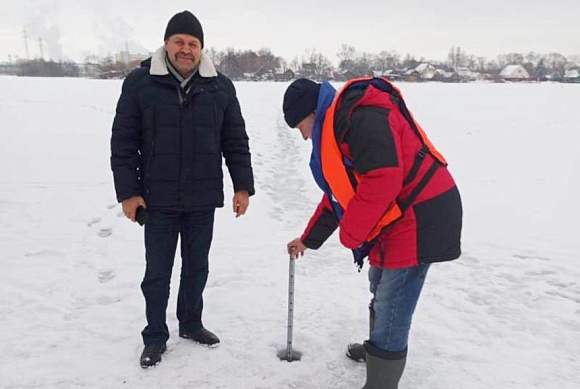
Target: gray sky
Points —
{"points": [[72, 29]]}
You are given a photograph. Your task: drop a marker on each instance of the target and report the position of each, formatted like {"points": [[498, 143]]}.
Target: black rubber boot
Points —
{"points": [[151, 355], [202, 336], [356, 351], [384, 368]]}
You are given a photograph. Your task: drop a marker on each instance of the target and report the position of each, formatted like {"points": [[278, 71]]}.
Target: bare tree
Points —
{"points": [[458, 58], [213, 54], [556, 62], [410, 61], [533, 58], [268, 61], [510, 59], [230, 64], [481, 64], [295, 64], [346, 56], [387, 60], [363, 64]]}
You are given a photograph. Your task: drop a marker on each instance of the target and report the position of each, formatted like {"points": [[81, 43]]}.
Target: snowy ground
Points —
{"points": [[507, 315]]}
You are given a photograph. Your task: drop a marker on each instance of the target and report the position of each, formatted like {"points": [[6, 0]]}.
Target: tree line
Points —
{"points": [[247, 64], [237, 63]]}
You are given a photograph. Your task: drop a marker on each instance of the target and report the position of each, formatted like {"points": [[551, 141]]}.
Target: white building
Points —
{"points": [[572, 74], [514, 73], [426, 70], [126, 57]]}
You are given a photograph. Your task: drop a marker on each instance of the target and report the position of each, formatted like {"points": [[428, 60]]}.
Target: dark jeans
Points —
{"points": [[161, 232]]}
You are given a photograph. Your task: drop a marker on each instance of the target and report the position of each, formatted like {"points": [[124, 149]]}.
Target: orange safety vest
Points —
{"points": [[334, 170]]}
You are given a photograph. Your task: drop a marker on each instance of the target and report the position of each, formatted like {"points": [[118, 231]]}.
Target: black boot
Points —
{"points": [[151, 355], [384, 368], [356, 351], [202, 336]]}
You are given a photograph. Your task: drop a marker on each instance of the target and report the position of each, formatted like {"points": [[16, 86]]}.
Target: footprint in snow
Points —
{"points": [[106, 276], [93, 221], [44, 253], [105, 232]]}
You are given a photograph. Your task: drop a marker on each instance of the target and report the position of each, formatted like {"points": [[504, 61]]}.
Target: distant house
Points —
{"points": [[263, 74], [572, 75], [484, 77], [112, 74], [90, 70], [250, 76], [345, 75], [284, 76], [308, 70], [466, 74], [420, 72], [388, 74], [514, 73], [426, 71], [444, 76], [9, 69], [412, 75]]}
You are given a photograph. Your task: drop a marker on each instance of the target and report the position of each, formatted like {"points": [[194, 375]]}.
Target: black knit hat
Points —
{"points": [[300, 100], [184, 23]]}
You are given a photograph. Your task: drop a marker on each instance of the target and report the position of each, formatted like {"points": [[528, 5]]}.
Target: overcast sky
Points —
{"points": [[72, 29]]}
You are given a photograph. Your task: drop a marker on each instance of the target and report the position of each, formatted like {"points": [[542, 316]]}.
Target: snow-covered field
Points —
{"points": [[506, 315]]}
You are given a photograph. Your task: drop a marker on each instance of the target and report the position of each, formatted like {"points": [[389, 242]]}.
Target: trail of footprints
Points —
{"points": [[103, 228], [104, 223]]}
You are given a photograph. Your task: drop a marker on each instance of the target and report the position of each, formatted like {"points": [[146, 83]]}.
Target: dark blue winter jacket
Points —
{"points": [[168, 148]]}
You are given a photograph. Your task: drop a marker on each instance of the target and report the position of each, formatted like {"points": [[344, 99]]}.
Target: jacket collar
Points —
{"points": [[325, 99], [159, 68]]}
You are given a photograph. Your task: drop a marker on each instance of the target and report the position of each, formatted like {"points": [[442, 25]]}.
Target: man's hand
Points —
{"points": [[241, 202], [130, 206], [296, 248]]}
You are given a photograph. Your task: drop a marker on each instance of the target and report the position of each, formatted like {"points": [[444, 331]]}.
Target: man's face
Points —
{"points": [[306, 126], [184, 53]]}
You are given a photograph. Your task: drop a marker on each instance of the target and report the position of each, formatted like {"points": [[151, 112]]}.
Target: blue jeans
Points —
{"points": [[161, 232], [395, 295]]}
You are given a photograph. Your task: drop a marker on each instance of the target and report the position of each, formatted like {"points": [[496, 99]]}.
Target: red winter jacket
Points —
{"points": [[382, 148]]}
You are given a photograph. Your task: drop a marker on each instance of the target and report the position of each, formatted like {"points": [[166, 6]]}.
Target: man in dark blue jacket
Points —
{"points": [[175, 119]]}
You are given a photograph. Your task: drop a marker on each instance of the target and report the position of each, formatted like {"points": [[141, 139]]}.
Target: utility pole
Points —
{"points": [[25, 36], [128, 57], [40, 45]]}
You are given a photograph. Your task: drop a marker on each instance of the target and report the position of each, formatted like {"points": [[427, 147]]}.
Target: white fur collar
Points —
{"points": [[159, 68]]}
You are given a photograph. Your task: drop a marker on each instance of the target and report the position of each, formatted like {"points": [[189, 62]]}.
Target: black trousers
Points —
{"points": [[161, 232]]}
